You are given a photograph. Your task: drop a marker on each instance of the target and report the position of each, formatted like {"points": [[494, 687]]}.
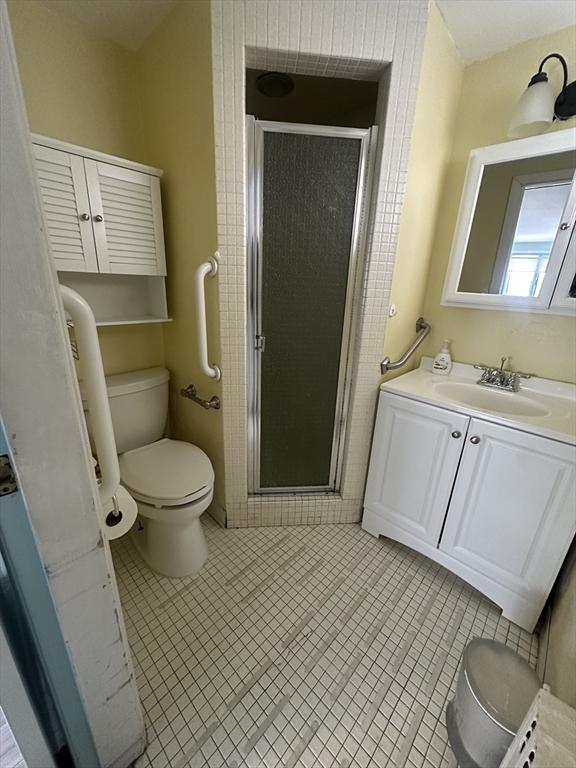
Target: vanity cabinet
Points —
{"points": [[103, 219], [493, 504], [414, 460]]}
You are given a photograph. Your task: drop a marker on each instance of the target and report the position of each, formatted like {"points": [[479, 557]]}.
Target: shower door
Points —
{"points": [[306, 189]]}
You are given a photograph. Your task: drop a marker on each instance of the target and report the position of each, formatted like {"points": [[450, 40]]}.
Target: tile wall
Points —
{"points": [[347, 38]]}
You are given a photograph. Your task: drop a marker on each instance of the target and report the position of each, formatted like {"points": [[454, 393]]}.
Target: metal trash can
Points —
{"points": [[494, 691]]}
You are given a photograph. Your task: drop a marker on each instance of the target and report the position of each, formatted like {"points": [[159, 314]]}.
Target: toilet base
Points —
{"points": [[175, 549]]}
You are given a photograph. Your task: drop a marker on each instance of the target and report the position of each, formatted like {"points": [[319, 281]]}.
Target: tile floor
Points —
{"points": [[10, 755], [302, 646]]}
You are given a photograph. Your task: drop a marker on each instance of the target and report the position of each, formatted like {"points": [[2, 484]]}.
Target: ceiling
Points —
{"points": [[126, 22], [481, 28]]}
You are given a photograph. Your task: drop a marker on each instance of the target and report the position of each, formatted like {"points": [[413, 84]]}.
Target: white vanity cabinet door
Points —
{"points": [[62, 185], [414, 459], [512, 513], [127, 219]]}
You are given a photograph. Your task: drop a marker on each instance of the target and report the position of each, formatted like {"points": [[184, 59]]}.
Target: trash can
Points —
{"points": [[494, 691]]}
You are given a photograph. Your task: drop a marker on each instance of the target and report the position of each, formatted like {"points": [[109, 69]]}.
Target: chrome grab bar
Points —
{"points": [[423, 329], [191, 393]]}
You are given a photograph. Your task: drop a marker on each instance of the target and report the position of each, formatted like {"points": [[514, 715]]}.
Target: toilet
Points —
{"points": [[172, 481]]}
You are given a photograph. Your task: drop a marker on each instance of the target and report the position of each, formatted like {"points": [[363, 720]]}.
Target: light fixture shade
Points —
{"points": [[534, 111]]}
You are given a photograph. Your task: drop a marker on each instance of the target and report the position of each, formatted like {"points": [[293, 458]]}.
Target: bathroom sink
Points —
{"points": [[476, 396]]}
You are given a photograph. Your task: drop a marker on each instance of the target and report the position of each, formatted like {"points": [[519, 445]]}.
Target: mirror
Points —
{"points": [[512, 246]]}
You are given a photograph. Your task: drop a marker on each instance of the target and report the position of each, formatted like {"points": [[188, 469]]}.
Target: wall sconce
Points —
{"points": [[537, 109]]}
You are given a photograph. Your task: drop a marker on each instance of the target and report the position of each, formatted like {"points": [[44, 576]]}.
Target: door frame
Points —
{"points": [[255, 130]]}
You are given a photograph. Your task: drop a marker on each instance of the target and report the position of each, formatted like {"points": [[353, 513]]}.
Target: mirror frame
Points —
{"points": [[520, 149]]}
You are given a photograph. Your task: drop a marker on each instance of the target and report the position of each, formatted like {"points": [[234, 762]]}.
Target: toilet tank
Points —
{"points": [[138, 406]]}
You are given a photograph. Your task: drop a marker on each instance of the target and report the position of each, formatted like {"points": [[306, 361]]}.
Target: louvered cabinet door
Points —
{"points": [[127, 219], [62, 184]]}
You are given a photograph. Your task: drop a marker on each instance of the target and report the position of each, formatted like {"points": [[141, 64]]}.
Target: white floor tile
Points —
{"points": [[314, 646]]}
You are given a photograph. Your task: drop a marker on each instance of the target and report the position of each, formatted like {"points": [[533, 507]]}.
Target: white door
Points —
{"points": [[414, 459], [62, 184], [511, 516], [127, 218]]}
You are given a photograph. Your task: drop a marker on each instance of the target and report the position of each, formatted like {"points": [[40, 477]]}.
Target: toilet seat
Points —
{"points": [[167, 473]]}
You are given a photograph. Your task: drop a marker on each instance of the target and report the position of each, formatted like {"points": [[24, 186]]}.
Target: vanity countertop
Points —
{"points": [[541, 407]]}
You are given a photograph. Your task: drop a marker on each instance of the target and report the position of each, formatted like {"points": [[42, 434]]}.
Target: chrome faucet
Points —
{"points": [[498, 378]]}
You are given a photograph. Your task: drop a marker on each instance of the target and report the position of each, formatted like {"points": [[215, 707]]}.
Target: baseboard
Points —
{"points": [[217, 513]]}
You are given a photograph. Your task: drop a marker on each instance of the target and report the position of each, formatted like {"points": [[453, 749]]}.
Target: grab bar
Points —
{"points": [[191, 393], [423, 329], [96, 392], [207, 269]]}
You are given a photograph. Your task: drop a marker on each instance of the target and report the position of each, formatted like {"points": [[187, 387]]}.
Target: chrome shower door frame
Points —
{"points": [[255, 130]]}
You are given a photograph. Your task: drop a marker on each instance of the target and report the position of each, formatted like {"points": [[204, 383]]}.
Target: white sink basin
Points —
{"points": [[476, 396]]}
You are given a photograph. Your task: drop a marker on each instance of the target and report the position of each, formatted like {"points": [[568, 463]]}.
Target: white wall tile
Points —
{"points": [[351, 38]]}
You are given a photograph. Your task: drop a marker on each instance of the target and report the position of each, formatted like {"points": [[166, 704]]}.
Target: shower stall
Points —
{"points": [[307, 198]]}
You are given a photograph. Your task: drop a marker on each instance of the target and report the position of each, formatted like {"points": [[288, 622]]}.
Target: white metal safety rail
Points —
{"points": [[96, 392], [207, 269]]}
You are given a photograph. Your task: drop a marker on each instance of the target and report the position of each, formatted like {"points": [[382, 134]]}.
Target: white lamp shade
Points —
{"points": [[534, 112]]}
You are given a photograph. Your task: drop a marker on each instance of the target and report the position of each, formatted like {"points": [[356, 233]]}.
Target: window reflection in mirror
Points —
{"points": [[516, 220]]}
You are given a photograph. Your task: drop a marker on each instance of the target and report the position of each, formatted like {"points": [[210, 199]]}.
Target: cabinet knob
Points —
{"points": [[98, 217], [475, 439], [456, 434], [85, 216]]}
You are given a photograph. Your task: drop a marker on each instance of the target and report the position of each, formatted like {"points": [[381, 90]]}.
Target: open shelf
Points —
{"points": [[121, 299]]}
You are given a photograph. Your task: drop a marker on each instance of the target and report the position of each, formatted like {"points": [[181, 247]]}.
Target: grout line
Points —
{"points": [[261, 670], [377, 701], [322, 648], [243, 571], [261, 730], [308, 616], [375, 578], [347, 614], [440, 661], [198, 744], [310, 572], [302, 744], [410, 736], [346, 675], [261, 586], [455, 626], [387, 680], [422, 616]]}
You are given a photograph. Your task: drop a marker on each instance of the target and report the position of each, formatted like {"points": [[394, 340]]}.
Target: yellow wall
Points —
{"points": [[436, 105], [176, 70], [537, 343], [85, 90]]}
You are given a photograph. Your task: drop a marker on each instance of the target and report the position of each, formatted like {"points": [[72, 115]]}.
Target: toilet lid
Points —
{"points": [[167, 469]]}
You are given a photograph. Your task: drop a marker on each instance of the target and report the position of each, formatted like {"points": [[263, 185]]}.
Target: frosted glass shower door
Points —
{"points": [[306, 195]]}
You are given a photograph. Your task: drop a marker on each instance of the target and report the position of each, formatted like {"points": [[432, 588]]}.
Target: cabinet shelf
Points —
{"points": [[121, 299], [138, 321]]}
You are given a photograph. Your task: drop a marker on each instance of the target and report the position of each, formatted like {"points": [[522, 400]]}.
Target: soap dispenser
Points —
{"points": [[443, 361]]}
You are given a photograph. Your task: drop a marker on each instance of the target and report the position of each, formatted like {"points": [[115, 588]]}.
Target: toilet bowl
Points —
{"points": [[173, 484], [172, 481]]}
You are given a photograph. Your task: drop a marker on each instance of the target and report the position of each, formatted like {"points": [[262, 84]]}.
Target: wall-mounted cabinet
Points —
{"points": [[514, 246], [104, 224]]}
